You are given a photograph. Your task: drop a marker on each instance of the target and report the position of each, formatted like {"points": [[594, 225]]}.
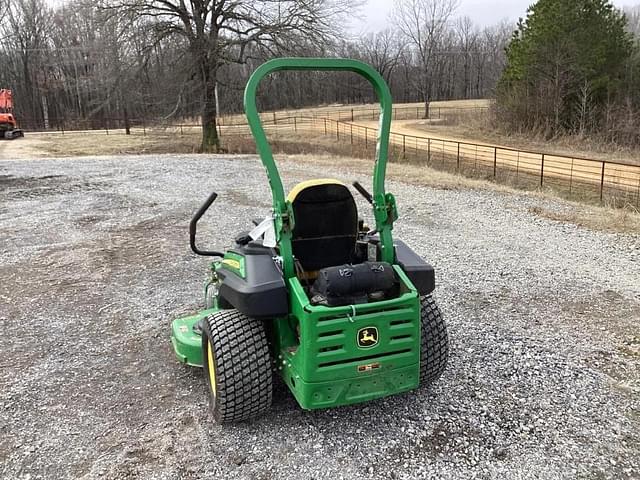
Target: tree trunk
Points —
{"points": [[45, 112], [210, 138], [127, 124], [426, 95]]}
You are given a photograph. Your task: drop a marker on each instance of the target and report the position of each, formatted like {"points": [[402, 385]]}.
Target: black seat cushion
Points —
{"points": [[326, 225]]}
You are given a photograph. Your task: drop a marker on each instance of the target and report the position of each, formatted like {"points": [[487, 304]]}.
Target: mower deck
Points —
{"points": [[187, 343]]}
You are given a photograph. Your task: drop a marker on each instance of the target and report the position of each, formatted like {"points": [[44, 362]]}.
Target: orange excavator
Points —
{"points": [[8, 125]]}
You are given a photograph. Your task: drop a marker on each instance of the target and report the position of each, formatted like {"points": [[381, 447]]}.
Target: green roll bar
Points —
{"points": [[384, 206]]}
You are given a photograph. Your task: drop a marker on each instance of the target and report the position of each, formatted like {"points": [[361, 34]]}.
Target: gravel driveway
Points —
{"points": [[543, 381]]}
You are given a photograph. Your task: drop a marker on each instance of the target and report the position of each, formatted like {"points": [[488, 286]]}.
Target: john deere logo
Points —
{"points": [[367, 337]]}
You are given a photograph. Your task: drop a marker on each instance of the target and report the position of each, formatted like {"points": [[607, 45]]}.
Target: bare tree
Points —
{"points": [[382, 50], [423, 23], [633, 19], [467, 38], [26, 35], [221, 32], [95, 67]]}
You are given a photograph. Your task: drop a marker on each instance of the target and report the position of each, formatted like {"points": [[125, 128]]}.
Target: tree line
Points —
{"points": [[86, 63], [568, 67]]}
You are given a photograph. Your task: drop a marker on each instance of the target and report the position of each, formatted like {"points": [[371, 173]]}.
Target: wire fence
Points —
{"points": [[436, 113], [582, 178], [405, 112], [608, 182]]}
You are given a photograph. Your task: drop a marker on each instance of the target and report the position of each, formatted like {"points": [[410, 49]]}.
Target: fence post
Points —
{"points": [[404, 144], [352, 114], [337, 130], [429, 150], [571, 177], [495, 161], [417, 113], [458, 159], [325, 126], [295, 124], [351, 131], [275, 121], [366, 140], [602, 182], [476, 164], [542, 171]]}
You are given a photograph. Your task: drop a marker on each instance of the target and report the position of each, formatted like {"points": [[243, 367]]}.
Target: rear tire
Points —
{"points": [[434, 341], [237, 366]]}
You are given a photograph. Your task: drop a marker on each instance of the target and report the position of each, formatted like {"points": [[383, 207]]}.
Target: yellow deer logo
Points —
{"points": [[367, 337]]}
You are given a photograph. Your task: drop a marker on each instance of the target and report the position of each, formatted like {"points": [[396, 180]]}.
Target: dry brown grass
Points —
{"points": [[116, 143], [318, 151], [616, 220]]}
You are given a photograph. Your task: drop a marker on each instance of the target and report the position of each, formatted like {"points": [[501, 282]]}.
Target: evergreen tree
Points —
{"points": [[566, 65]]}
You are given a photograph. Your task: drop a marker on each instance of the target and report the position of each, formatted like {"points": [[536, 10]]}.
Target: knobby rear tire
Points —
{"points": [[434, 341], [241, 387]]}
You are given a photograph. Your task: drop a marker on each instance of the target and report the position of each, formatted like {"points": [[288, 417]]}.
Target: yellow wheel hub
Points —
{"points": [[212, 369]]}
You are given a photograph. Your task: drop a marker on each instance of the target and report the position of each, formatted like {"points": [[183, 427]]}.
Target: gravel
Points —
{"points": [[543, 380]]}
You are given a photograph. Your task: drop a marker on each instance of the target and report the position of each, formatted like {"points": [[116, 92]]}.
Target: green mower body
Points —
{"points": [[262, 306]]}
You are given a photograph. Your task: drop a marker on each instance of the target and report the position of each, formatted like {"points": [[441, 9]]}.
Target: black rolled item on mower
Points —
{"points": [[353, 284]]}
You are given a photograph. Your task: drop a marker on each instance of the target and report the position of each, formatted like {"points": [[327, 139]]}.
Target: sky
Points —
{"points": [[484, 12]]}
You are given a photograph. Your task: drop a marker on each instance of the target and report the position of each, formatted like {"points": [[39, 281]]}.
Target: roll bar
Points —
{"points": [[383, 203]]}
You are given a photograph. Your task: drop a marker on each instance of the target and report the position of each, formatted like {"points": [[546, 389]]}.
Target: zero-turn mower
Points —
{"points": [[342, 314]]}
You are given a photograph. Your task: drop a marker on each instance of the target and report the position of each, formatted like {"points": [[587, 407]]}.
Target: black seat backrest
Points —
{"points": [[326, 223]]}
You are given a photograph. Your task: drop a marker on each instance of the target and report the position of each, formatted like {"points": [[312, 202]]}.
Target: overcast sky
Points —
{"points": [[483, 12]]}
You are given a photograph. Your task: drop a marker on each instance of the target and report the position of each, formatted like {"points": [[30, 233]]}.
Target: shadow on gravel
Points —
{"points": [[18, 188]]}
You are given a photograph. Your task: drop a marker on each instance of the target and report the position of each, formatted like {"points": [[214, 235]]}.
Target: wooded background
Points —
{"points": [[88, 63]]}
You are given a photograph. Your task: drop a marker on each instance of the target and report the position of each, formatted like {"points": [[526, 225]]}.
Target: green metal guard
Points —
{"points": [[384, 204]]}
